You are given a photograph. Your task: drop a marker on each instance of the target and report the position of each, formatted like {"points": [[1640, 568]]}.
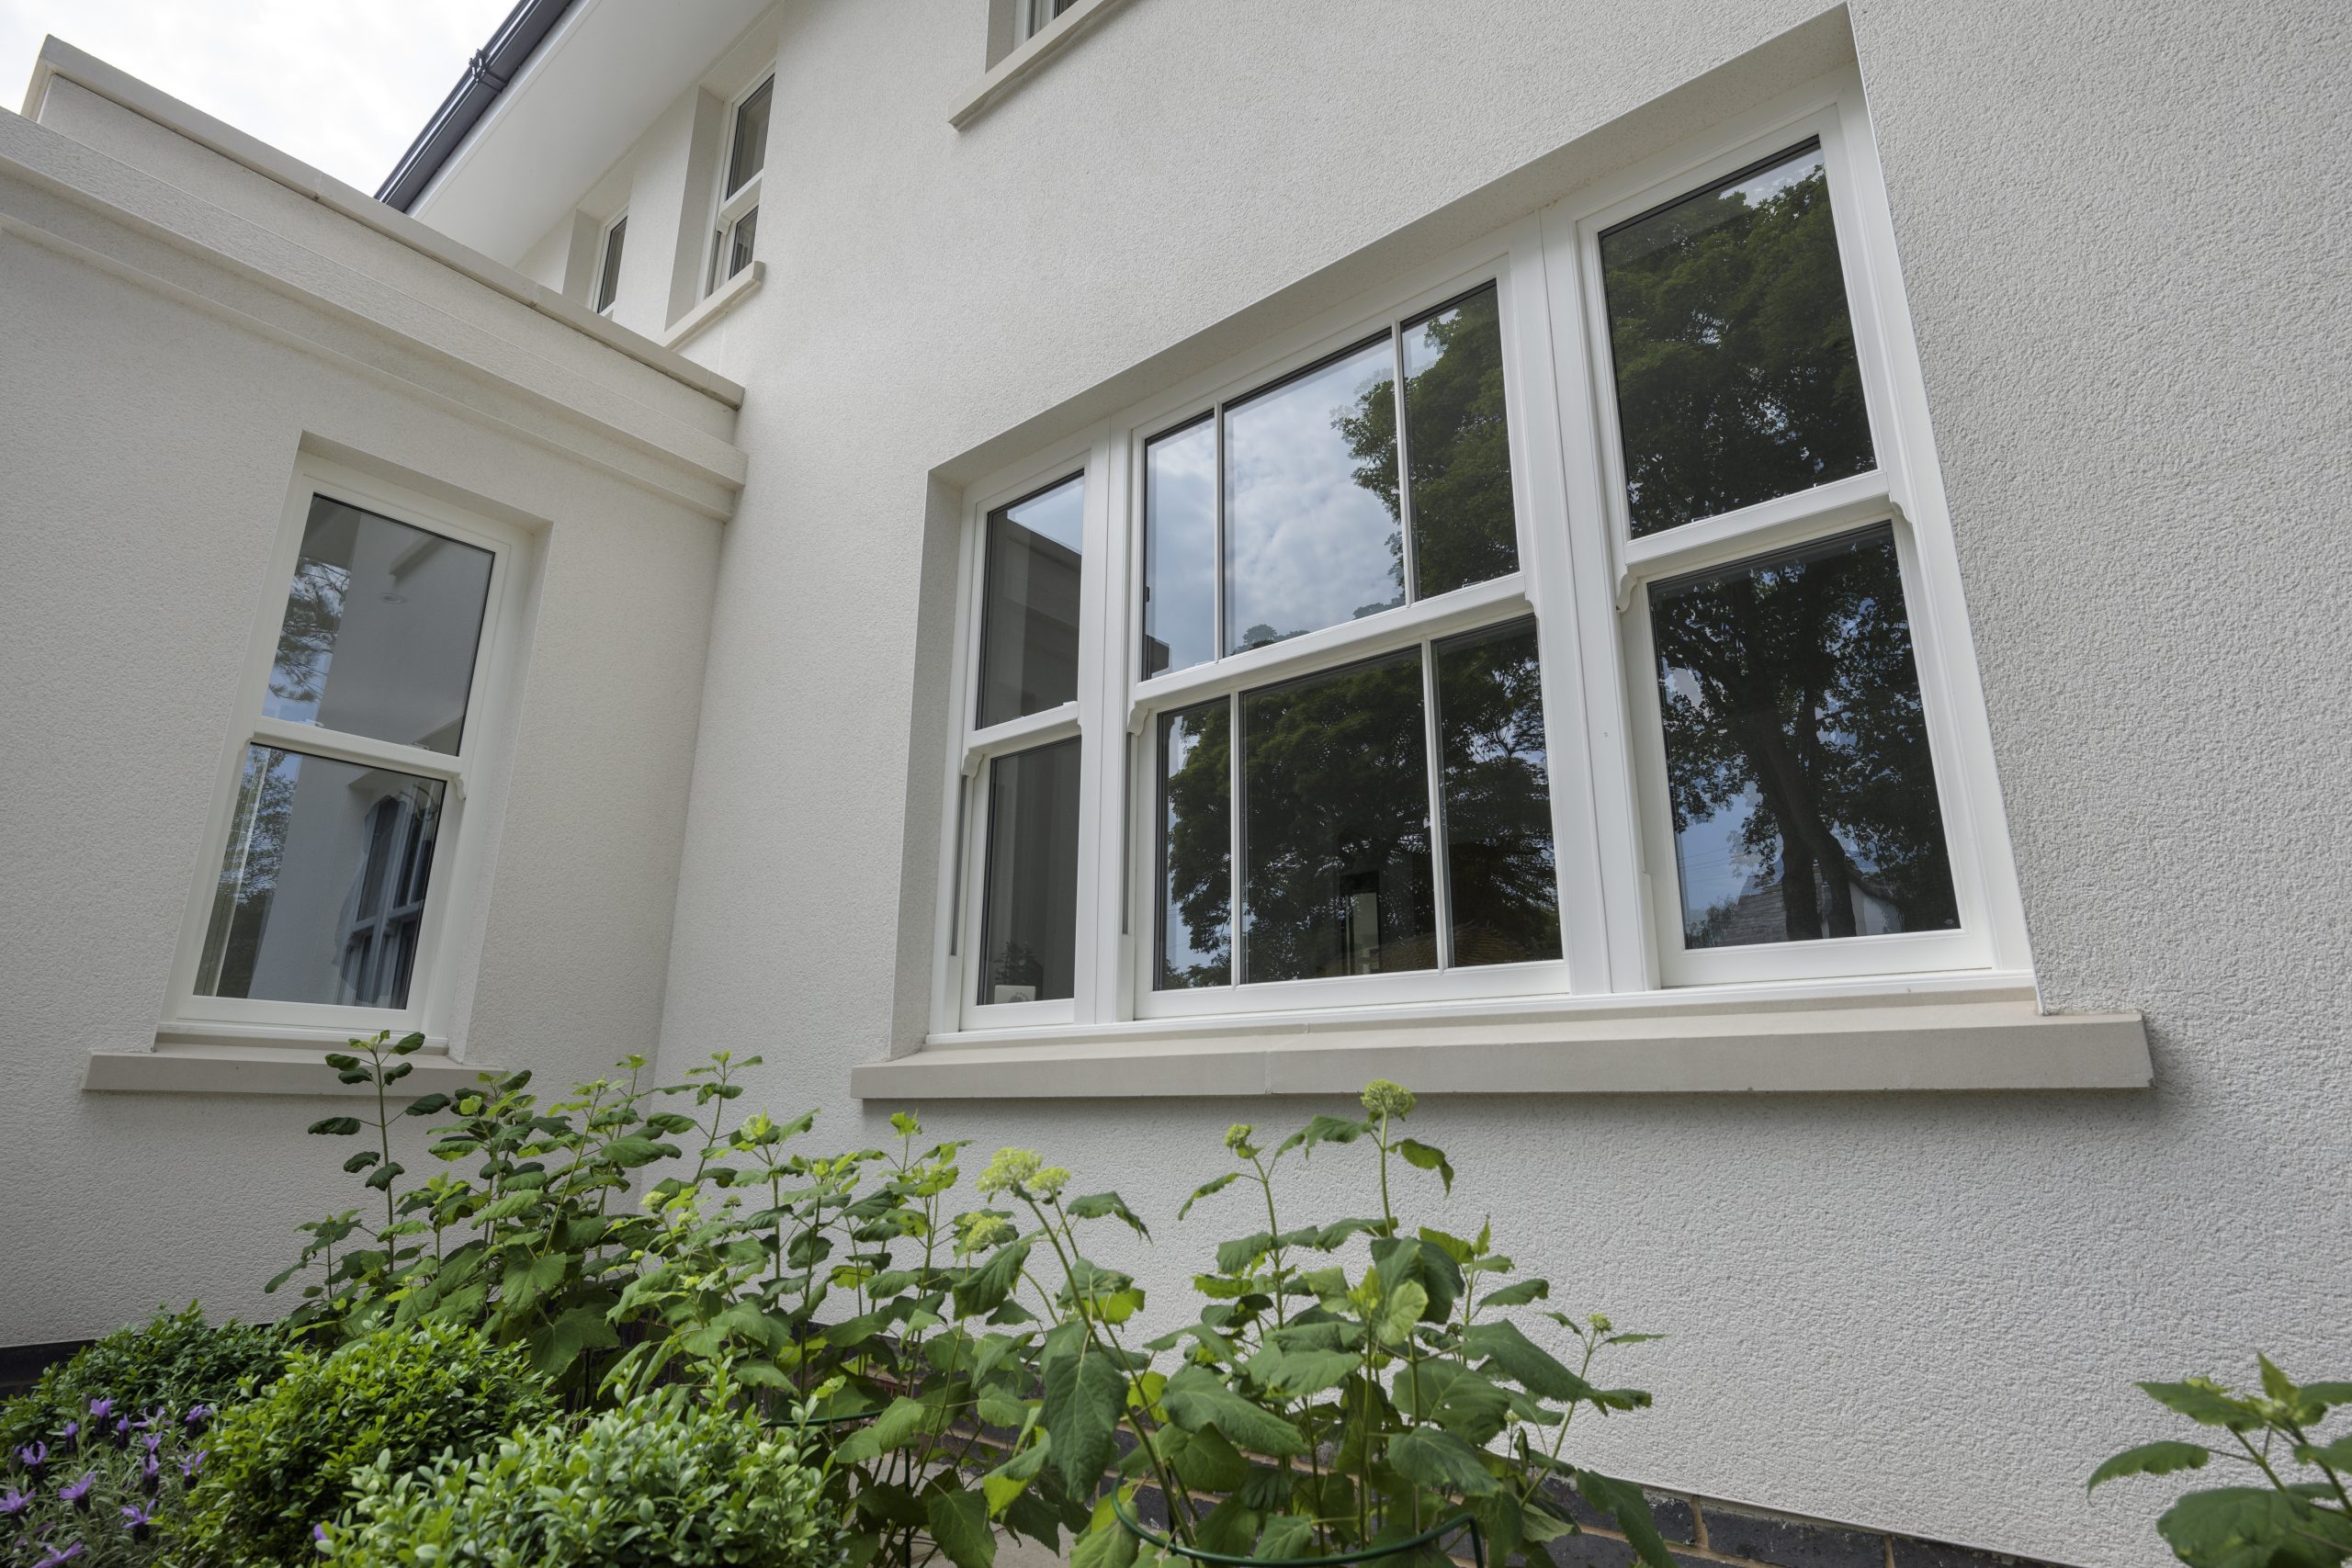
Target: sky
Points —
{"points": [[342, 84]]}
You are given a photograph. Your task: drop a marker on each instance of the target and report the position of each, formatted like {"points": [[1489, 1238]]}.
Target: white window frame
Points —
{"points": [[459, 874], [729, 210], [1031, 17], [1584, 577], [604, 255]]}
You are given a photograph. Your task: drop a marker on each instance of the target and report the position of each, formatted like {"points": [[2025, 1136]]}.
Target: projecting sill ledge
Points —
{"points": [[1885, 1045], [273, 1066]]}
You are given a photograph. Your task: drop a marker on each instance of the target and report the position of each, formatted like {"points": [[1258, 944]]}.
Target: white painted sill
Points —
{"points": [[1968, 1036], [720, 300], [260, 1059], [1007, 75]]}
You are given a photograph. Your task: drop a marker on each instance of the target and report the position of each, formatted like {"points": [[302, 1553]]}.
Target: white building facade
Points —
{"points": [[1749, 599]]}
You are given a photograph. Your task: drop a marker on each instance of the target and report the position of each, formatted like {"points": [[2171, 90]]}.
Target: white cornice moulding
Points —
{"points": [[720, 300], [1888, 1046]]}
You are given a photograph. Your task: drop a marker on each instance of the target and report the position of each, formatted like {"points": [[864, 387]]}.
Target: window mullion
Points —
{"points": [[1404, 468], [1440, 875]]}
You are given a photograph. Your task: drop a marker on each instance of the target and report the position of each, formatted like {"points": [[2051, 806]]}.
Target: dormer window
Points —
{"points": [[608, 264], [739, 198]]}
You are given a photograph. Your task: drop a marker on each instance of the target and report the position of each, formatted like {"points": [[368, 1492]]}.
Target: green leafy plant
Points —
{"points": [[659, 1481], [2298, 1514], [531, 1246], [177, 1362], [1322, 1410], [279, 1464]]}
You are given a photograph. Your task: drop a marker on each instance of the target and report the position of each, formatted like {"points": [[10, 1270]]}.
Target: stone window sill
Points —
{"points": [[1007, 75], [720, 300], [1973, 1037], [212, 1059]]}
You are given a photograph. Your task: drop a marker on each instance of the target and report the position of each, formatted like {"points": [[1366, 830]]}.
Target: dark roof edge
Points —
{"points": [[487, 74]]}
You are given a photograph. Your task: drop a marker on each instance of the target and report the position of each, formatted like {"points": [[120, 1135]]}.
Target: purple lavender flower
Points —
{"points": [[192, 1463], [101, 1408], [122, 1431], [151, 1475], [78, 1492], [70, 1434], [56, 1557], [33, 1456], [152, 1442], [138, 1519], [197, 1415], [155, 1419], [13, 1502]]}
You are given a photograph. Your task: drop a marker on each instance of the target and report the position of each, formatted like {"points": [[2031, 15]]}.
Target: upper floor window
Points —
{"points": [[370, 702], [1583, 620], [737, 227], [608, 264], [1033, 16]]}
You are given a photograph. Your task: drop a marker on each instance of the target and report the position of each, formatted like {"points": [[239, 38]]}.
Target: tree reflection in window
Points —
{"points": [[1736, 377], [1196, 847], [1496, 784], [1337, 877], [1804, 796]]}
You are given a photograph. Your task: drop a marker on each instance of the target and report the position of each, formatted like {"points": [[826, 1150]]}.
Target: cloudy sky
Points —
{"points": [[344, 85]]}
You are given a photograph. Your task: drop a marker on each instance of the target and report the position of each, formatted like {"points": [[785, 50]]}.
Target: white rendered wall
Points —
{"points": [[150, 425], [2128, 278]]}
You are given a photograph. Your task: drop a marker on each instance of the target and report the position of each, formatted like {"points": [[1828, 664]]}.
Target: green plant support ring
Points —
{"points": [[1136, 1528]]}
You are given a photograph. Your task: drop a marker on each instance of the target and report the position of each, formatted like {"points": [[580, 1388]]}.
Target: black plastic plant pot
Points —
{"points": [[1392, 1554]]}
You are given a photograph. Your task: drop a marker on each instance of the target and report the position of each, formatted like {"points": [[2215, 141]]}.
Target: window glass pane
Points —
{"points": [[608, 280], [379, 630], [1796, 752], [1029, 905], [1457, 444], [322, 883], [1336, 825], [738, 243], [1497, 798], [1310, 511], [1029, 612], [1196, 847], [1179, 549], [748, 153], [1737, 380]]}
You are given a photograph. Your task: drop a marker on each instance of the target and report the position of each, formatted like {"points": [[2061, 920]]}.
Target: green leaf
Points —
{"points": [[426, 1105], [384, 1175], [1325, 1130], [1207, 1189], [558, 1344], [631, 1152], [1438, 1459], [2325, 1394], [1197, 1397], [342, 1062], [959, 1524], [1105, 1544], [2152, 1459], [985, 1289], [1520, 1358], [2336, 1455], [1517, 1294], [1400, 1309], [1084, 1396], [526, 1279], [361, 1161], [1626, 1503], [1460, 1399], [2206, 1405], [1206, 1460], [901, 1423], [1235, 1256], [1425, 1263], [2274, 1381], [1285, 1536], [1420, 1156], [1011, 1478], [1295, 1375], [1096, 1205], [336, 1126], [2253, 1527]]}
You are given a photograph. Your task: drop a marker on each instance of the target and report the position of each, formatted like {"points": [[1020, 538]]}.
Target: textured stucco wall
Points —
{"points": [[148, 444], [2128, 278]]}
